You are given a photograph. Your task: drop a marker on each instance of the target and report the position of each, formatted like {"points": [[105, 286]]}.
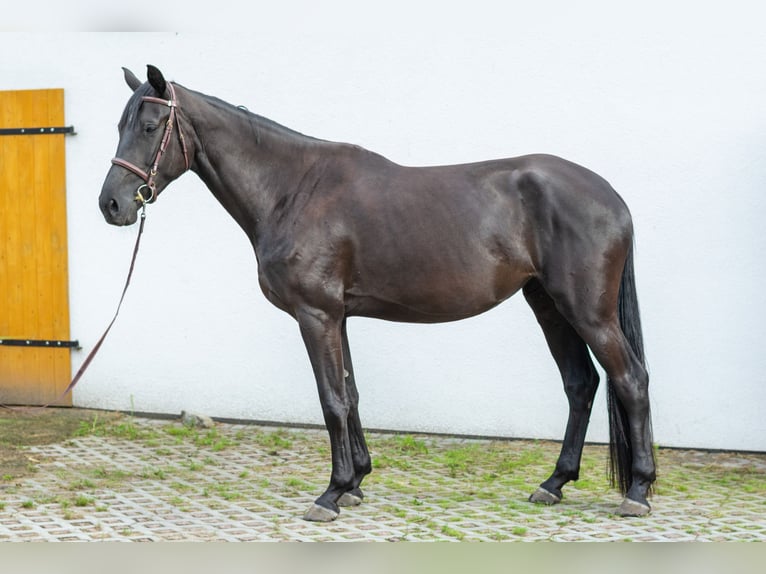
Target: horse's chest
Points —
{"points": [[272, 287]]}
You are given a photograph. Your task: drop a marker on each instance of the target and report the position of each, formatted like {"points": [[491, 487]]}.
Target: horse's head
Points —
{"points": [[146, 161]]}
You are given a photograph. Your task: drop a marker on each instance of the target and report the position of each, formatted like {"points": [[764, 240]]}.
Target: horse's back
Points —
{"points": [[522, 206]]}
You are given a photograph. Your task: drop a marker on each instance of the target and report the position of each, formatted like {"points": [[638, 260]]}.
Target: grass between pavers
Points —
{"points": [[429, 484]]}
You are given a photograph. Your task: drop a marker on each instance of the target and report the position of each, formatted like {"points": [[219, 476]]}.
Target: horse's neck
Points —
{"points": [[250, 164]]}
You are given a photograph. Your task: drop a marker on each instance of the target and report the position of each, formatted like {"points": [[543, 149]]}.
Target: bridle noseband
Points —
{"points": [[149, 178]]}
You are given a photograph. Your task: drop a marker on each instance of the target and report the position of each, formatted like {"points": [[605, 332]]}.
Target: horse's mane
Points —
{"points": [[259, 122]]}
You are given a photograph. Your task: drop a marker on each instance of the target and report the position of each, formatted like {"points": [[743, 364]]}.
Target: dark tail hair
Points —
{"points": [[620, 447]]}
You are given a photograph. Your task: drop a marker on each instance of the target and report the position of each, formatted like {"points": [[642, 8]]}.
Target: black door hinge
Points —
{"points": [[37, 131], [51, 344]]}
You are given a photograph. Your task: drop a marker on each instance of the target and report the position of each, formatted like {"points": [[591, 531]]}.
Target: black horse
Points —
{"points": [[339, 231]]}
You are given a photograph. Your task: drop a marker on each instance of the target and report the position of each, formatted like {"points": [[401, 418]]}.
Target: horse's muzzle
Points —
{"points": [[117, 211]]}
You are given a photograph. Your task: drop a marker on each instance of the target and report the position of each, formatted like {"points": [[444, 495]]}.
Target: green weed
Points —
{"points": [[274, 441], [449, 531], [298, 484], [82, 500]]}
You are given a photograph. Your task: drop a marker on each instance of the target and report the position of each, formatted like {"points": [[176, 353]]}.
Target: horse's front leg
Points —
{"points": [[322, 336], [359, 452]]}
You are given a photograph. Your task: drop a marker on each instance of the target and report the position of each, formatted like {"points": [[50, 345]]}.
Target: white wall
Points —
{"points": [[669, 104]]}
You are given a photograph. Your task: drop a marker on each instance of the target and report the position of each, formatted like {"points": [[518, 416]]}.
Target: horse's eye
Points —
{"points": [[150, 128]]}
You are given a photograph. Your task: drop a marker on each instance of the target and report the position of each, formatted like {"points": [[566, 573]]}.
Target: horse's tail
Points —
{"points": [[620, 447]]}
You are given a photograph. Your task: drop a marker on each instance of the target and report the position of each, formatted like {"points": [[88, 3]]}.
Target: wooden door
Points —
{"points": [[34, 285]]}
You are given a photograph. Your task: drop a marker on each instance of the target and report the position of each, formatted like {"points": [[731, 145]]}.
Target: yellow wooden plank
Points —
{"points": [[12, 359], [43, 314], [57, 243], [26, 198]]}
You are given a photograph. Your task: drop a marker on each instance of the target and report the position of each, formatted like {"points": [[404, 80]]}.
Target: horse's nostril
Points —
{"points": [[114, 207]]}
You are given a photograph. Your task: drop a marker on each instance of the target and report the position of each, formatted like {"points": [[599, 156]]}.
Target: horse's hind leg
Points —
{"points": [[359, 453], [580, 382], [630, 381], [595, 315]]}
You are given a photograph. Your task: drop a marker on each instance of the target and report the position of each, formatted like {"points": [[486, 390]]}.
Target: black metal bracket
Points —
{"points": [[40, 343], [36, 131]]}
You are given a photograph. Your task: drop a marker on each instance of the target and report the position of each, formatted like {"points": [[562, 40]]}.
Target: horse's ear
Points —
{"points": [[131, 80], [156, 79]]}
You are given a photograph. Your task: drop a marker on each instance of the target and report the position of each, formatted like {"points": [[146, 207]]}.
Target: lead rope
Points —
{"points": [[86, 363]]}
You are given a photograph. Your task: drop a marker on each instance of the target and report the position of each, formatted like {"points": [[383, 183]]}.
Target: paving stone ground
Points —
{"points": [[154, 480]]}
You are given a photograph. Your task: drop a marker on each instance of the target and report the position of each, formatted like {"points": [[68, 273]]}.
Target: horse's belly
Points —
{"points": [[433, 295]]}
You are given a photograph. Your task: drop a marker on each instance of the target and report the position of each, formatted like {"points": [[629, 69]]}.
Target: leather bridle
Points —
{"points": [[149, 178]]}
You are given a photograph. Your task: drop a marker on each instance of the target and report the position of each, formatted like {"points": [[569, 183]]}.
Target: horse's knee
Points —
{"points": [[335, 412]]}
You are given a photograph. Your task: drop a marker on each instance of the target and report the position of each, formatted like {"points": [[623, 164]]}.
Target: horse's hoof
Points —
{"points": [[633, 508], [320, 514], [350, 498], [542, 496]]}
